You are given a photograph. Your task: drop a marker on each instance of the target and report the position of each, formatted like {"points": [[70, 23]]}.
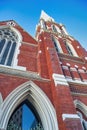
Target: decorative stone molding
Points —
{"points": [[28, 43], [85, 58], [79, 94], [73, 69], [18, 40], [11, 23], [81, 70], [71, 38], [59, 79], [80, 105], [84, 68], [76, 66], [63, 27], [72, 48], [68, 64], [69, 116], [76, 81], [65, 67], [18, 71], [37, 97]]}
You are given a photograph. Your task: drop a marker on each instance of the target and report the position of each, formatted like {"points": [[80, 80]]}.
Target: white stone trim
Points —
{"points": [[77, 81], [69, 116], [71, 38], [65, 67], [73, 69], [81, 70], [63, 27], [76, 66], [84, 68], [85, 58], [57, 28], [37, 97], [19, 68], [42, 24], [11, 23], [17, 51], [79, 94], [72, 48], [59, 79], [21, 73], [68, 64], [29, 43], [17, 32], [13, 67], [80, 105], [68, 77], [58, 44]]}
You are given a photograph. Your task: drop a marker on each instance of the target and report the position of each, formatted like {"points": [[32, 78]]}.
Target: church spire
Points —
{"points": [[45, 16]]}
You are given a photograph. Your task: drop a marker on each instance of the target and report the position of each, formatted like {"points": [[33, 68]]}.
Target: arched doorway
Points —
{"points": [[31, 93]]}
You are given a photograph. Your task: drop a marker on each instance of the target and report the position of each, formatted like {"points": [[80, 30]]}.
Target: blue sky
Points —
{"points": [[28, 118], [71, 13]]}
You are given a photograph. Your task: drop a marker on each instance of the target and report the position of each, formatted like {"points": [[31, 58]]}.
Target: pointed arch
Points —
{"points": [[70, 48], [37, 97], [81, 106], [57, 44], [10, 42]]}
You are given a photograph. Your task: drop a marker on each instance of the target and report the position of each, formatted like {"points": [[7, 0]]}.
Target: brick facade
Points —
{"points": [[60, 75]]}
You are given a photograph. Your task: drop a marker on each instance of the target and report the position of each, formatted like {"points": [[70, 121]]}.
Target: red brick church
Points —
{"points": [[48, 73]]}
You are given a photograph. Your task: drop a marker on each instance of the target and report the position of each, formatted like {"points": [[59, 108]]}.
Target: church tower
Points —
{"points": [[46, 74], [67, 68]]}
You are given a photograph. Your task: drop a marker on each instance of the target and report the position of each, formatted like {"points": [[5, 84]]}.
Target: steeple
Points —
{"points": [[45, 16]]}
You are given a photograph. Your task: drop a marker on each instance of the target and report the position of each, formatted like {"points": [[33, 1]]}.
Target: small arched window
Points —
{"points": [[70, 49], [57, 45], [8, 40], [43, 24], [56, 29]]}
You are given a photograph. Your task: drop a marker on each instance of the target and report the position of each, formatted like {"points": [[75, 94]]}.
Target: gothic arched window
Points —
{"points": [[57, 45], [70, 48], [25, 117], [56, 29], [8, 40], [43, 24]]}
